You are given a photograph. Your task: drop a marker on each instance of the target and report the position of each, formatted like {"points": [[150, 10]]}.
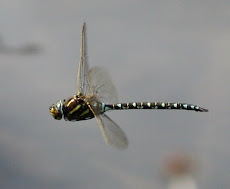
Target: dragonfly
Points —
{"points": [[96, 94]]}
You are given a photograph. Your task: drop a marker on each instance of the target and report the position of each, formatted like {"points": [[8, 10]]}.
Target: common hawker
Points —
{"points": [[97, 95]]}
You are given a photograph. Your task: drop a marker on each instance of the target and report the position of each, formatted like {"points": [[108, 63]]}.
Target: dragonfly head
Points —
{"points": [[56, 110]]}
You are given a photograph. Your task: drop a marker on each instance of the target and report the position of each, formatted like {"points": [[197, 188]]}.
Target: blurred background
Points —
{"points": [[176, 51]]}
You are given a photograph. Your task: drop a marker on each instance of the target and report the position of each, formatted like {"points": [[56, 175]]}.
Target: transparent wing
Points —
{"points": [[101, 86], [112, 133], [97, 86], [83, 68]]}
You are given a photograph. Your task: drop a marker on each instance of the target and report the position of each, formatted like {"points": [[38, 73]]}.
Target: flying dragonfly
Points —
{"points": [[97, 95]]}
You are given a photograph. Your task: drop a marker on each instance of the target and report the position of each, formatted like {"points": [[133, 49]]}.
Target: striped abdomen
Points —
{"points": [[152, 105]]}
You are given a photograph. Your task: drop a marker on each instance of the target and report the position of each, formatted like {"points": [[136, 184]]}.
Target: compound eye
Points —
{"points": [[58, 105], [55, 112]]}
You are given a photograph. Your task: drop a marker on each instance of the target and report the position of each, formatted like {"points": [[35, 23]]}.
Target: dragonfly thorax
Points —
{"points": [[76, 109]]}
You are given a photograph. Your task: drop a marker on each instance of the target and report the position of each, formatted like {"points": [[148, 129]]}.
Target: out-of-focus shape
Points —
{"points": [[178, 170], [27, 49]]}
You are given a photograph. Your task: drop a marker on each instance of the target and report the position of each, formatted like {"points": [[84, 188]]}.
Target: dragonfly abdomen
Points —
{"points": [[152, 105]]}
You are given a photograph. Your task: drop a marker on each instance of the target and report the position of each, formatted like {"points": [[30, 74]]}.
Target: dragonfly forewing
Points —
{"points": [[83, 68]]}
